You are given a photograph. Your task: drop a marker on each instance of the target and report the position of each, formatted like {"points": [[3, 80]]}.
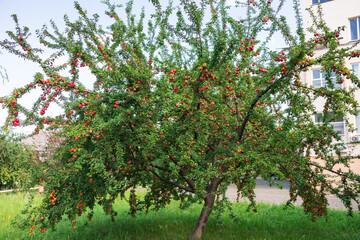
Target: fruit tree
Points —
{"points": [[185, 105]]}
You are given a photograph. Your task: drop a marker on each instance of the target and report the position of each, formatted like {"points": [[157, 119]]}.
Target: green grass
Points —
{"points": [[271, 222]]}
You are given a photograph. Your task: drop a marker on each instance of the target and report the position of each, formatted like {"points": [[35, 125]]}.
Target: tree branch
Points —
{"points": [[332, 171], [259, 96], [183, 172], [172, 183]]}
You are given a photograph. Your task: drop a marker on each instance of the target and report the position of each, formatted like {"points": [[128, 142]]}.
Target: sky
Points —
{"points": [[38, 13]]}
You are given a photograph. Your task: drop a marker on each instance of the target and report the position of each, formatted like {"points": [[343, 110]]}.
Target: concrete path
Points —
{"points": [[267, 194]]}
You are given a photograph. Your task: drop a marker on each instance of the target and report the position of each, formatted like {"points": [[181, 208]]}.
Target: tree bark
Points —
{"points": [[204, 216]]}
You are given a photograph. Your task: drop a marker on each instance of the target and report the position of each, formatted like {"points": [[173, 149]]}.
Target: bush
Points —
{"points": [[15, 162]]}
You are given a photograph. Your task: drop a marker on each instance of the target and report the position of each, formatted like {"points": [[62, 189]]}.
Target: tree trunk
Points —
{"points": [[204, 216]]}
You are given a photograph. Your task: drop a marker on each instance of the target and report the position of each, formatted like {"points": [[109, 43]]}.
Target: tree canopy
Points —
{"points": [[185, 106]]}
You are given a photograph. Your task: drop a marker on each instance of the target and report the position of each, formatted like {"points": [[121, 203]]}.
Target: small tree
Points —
{"points": [[15, 162], [185, 109]]}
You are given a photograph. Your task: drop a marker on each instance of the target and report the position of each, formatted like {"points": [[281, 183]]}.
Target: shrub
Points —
{"points": [[15, 162]]}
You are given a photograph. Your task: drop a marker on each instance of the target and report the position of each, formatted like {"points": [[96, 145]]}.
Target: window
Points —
{"points": [[355, 28], [357, 123], [337, 123], [356, 69], [320, 1], [320, 81]]}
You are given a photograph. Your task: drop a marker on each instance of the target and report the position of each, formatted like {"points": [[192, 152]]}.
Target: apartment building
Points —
{"points": [[337, 13]]}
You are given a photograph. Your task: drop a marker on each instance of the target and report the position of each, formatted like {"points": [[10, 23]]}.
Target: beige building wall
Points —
{"points": [[336, 13]]}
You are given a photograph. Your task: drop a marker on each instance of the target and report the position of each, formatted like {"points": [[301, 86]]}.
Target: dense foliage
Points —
{"points": [[184, 107], [15, 162]]}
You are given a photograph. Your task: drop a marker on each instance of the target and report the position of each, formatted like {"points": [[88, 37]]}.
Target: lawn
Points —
{"points": [[271, 222]]}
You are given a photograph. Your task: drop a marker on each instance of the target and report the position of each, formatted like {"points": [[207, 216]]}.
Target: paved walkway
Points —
{"points": [[265, 193]]}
